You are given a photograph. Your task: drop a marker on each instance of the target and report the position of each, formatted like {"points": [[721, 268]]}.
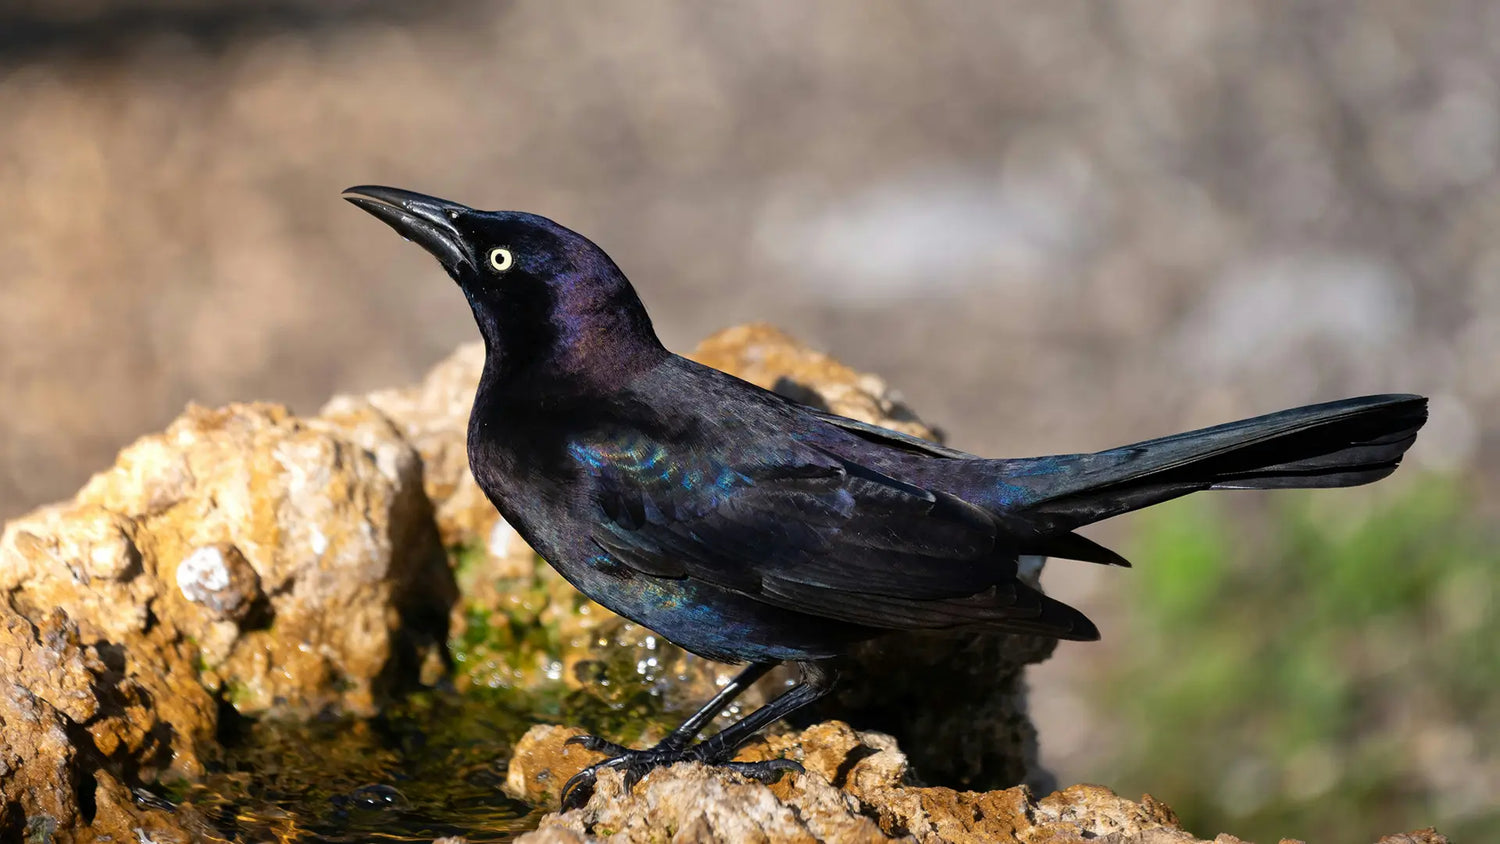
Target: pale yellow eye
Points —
{"points": [[500, 259]]}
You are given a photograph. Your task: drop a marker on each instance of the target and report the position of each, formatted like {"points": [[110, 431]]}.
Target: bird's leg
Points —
{"points": [[689, 730], [817, 680], [718, 749]]}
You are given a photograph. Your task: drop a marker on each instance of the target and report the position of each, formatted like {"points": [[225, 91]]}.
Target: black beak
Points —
{"points": [[424, 220]]}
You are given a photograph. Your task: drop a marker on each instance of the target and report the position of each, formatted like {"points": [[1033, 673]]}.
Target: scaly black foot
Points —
{"points": [[637, 763], [718, 749]]}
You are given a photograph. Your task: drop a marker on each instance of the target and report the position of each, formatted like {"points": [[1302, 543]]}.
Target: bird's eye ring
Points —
{"points": [[500, 259]]}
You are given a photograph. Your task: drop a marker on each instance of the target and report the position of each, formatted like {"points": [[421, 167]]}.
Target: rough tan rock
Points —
{"points": [[856, 788], [1419, 836], [540, 757], [72, 717], [289, 565], [433, 417], [288, 549]]}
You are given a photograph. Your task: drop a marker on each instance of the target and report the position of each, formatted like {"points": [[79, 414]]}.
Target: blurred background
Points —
{"points": [[1055, 226]]}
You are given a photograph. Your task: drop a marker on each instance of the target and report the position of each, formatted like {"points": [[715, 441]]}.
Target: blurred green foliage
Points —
{"points": [[1323, 667]]}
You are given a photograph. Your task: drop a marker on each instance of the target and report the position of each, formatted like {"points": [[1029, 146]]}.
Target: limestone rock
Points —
{"points": [[72, 717], [540, 757], [855, 788], [1420, 836], [290, 550], [433, 417], [286, 565]]}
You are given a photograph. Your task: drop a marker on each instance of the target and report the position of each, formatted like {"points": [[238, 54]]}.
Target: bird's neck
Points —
{"points": [[585, 349]]}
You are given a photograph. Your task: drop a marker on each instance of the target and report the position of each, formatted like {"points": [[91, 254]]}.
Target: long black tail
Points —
{"points": [[1341, 443]]}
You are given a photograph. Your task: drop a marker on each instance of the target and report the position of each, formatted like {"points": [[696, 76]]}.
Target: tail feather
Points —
{"points": [[1072, 546], [1054, 619], [1342, 443]]}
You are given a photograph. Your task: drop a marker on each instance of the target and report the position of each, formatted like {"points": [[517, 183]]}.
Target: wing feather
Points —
{"points": [[804, 529]]}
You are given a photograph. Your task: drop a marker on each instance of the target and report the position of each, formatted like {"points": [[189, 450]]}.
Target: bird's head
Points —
{"points": [[541, 293]]}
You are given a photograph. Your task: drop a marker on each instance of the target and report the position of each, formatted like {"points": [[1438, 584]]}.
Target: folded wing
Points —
{"points": [[800, 528]]}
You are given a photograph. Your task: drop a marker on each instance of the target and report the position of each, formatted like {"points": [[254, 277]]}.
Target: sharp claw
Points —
{"points": [[579, 787], [581, 783]]}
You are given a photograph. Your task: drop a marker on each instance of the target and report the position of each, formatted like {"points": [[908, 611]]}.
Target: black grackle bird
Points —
{"points": [[748, 528]]}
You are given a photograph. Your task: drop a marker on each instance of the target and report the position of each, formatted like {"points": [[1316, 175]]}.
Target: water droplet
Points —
{"points": [[378, 796]]}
